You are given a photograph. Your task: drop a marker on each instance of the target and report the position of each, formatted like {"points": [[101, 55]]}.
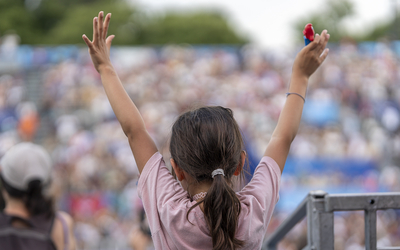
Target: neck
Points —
{"points": [[199, 187], [16, 207]]}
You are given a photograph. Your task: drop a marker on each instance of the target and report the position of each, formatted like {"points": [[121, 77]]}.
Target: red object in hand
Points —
{"points": [[308, 32]]}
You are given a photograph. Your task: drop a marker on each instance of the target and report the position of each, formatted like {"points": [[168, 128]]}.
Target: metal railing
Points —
{"points": [[319, 207]]}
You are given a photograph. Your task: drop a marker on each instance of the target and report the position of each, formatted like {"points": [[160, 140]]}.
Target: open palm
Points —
{"points": [[99, 47]]}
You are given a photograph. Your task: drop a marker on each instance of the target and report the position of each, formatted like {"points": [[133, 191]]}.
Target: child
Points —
{"points": [[207, 151]]}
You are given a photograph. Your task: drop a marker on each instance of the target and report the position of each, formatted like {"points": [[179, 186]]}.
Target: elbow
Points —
{"points": [[131, 128], [291, 138], [132, 132], [126, 129], [284, 139]]}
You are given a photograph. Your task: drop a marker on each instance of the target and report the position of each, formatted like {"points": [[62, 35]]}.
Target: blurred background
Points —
{"points": [[174, 55]]}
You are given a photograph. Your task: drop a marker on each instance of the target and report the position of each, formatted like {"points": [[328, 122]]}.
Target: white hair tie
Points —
{"points": [[217, 172]]}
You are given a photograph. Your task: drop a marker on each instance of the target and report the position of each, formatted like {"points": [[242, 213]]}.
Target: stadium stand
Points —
{"points": [[348, 142]]}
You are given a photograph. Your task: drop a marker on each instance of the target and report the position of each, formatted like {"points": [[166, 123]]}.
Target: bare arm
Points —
{"points": [[142, 146], [305, 64], [58, 233]]}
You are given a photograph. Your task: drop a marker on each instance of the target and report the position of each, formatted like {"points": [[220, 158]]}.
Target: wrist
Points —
{"points": [[298, 84], [105, 68], [299, 76]]}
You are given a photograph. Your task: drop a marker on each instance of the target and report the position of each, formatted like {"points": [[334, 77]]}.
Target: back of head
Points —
{"points": [[25, 172], [202, 141]]}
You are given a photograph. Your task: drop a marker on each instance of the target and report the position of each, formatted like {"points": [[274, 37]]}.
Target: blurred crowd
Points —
{"points": [[54, 96]]}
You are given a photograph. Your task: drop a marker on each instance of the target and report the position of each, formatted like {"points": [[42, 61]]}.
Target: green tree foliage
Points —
{"points": [[331, 17], [14, 17], [60, 21], [64, 22], [389, 29], [79, 20], [194, 28]]}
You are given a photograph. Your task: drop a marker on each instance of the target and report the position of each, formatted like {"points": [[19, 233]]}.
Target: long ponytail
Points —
{"points": [[201, 141], [221, 211]]}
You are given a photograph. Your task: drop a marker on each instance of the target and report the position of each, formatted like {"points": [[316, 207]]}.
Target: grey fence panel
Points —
{"points": [[319, 207], [287, 225]]}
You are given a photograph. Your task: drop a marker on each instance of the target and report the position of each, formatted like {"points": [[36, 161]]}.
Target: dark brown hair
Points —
{"points": [[33, 198], [203, 140]]}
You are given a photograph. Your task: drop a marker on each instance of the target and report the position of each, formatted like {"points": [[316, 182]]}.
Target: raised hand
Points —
{"points": [[99, 47], [307, 61], [311, 56], [142, 145]]}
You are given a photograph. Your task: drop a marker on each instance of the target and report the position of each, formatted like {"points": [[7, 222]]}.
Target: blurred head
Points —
{"points": [[202, 141], [25, 172]]}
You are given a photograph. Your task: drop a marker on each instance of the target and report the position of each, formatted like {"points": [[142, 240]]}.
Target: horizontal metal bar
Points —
{"points": [[287, 225], [389, 248], [371, 201]]}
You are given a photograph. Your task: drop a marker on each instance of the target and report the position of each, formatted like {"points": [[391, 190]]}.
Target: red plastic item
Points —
{"points": [[308, 32]]}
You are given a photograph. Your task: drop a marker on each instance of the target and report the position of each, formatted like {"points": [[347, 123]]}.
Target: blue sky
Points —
{"points": [[263, 19]]}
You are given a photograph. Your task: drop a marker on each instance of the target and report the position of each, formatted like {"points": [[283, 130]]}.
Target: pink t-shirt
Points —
{"points": [[166, 204]]}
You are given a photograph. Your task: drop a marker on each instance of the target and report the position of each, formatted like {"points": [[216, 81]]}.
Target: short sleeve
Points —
{"points": [[263, 189], [157, 187]]}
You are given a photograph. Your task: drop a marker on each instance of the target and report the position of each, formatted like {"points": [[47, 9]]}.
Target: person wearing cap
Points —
{"points": [[29, 219]]}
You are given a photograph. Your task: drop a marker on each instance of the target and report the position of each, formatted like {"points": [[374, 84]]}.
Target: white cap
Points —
{"points": [[25, 162]]}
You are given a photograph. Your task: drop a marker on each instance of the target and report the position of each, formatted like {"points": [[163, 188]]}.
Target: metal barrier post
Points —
{"points": [[319, 222], [370, 229]]}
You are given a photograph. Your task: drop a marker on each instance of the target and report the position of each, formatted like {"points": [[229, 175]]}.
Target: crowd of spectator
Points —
{"points": [[351, 118]]}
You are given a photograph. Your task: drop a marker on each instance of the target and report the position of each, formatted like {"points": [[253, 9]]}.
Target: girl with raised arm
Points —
{"points": [[203, 211]]}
